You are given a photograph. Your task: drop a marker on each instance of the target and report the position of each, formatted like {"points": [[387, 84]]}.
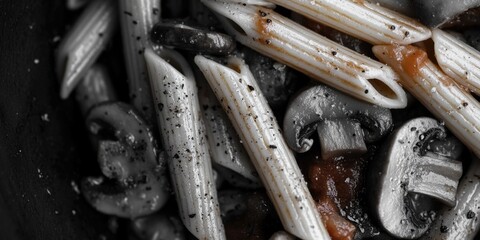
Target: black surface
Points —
{"points": [[39, 159]]}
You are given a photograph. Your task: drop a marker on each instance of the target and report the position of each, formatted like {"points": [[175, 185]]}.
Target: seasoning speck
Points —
{"points": [[36, 61], [45, 118]]}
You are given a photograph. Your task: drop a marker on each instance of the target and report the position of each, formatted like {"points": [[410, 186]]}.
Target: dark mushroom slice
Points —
{"points": [[158, 226], [434, 13], [186, 36], [407, 176], [467, 19], [134, 183], [473, 38], [402, 6], [275, 79], [338, 117], [461, 221]]}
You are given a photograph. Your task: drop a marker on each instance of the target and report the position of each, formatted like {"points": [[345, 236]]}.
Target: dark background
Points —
{"points": [[39, 159]]}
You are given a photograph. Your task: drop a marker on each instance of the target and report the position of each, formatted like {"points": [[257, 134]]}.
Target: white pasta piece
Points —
{"points": [[457, 59], [137, 18], [367, 21], [226, 148], [253, 120], [96, 87], [183, 137], [82, 45], [436, 91], [292, 44]]}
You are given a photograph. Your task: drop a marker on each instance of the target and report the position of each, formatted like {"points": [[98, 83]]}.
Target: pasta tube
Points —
{"points": [[82, 45], [253, 120], [436, 91], [458, 60], [292, 44], [367, 21], [183, 137]]}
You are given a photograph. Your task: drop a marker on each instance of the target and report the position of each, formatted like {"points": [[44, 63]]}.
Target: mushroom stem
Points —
{"points": [[343, 137], [253, 120], [460, 221], [435, 176], [292, 44]]}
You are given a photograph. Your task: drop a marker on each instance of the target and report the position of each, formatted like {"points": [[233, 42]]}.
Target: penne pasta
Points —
{"points": [[184, 140], [253, 120], [458, 60], [226, 147], [82, 45], [362, 19], [96, 87], [137, 18], [436, 91], [292, 44]]}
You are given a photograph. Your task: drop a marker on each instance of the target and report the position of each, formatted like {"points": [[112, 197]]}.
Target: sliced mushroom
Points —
{"points": [[158, 226], [338, 119], [186, 36], [83, 44], [136, 183], [460, 221], [434, 13], [407, 175], [184, 139]]}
